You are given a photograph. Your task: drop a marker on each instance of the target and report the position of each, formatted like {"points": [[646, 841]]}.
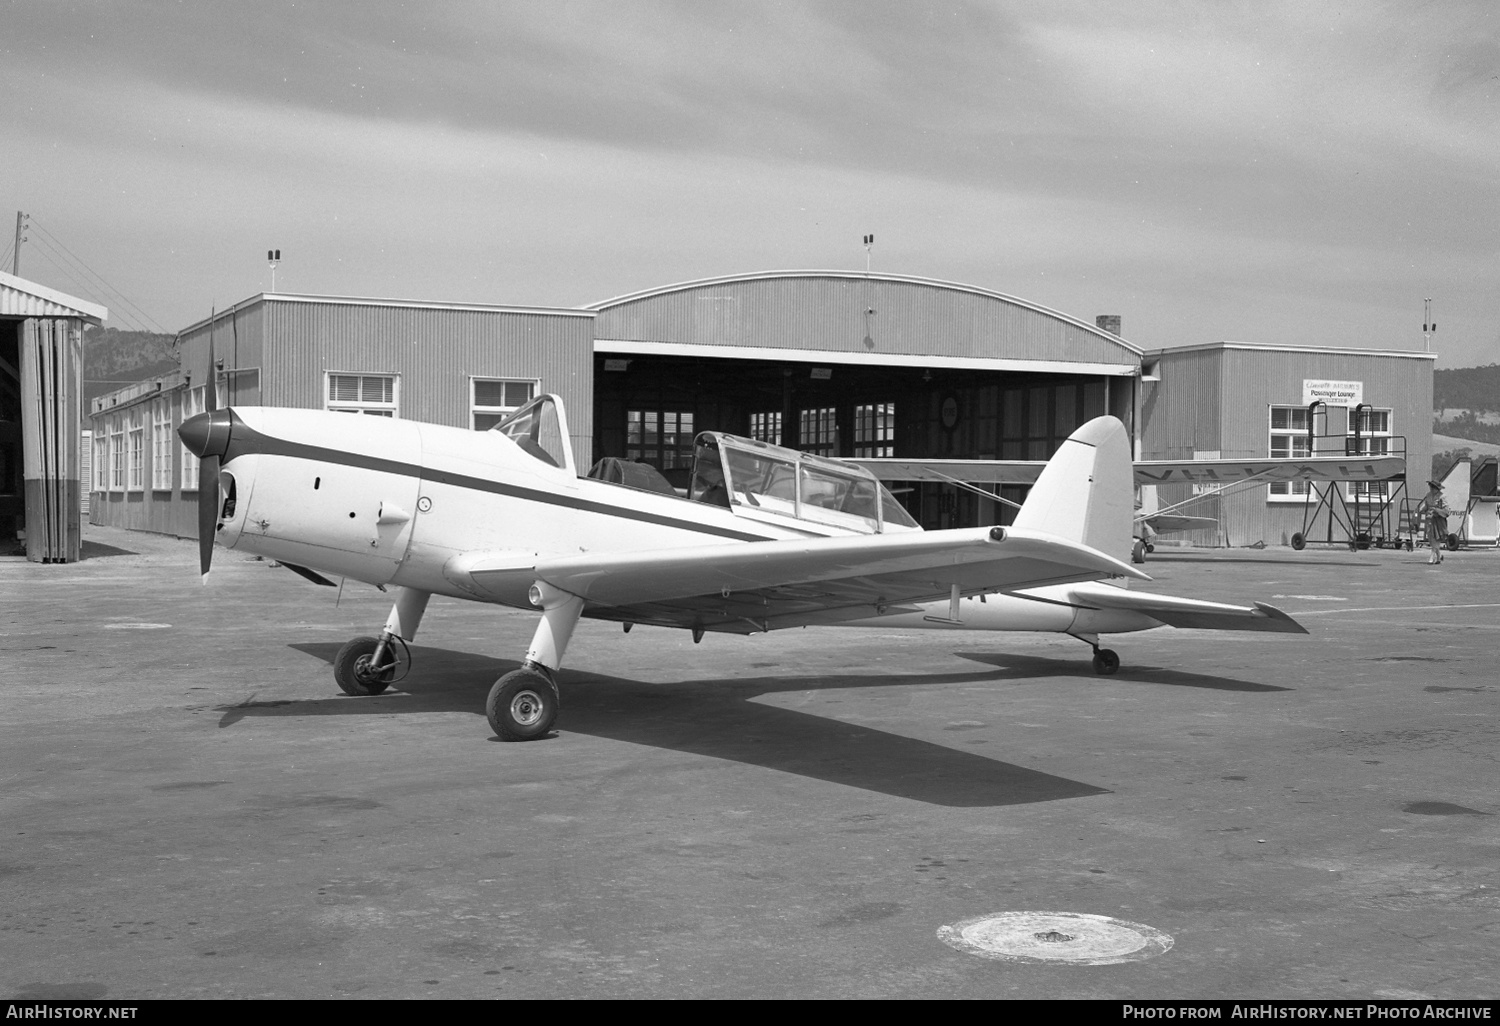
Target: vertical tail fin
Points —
{"points": [[1087, 491]]}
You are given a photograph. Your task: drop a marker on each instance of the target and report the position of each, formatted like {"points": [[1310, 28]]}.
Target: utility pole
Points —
{"points": [[273, 257], [15, 261], [1429, 326]]}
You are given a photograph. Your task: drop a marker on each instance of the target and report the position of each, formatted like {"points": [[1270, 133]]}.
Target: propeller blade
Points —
{"points": [[208, 512], [311, 575]]}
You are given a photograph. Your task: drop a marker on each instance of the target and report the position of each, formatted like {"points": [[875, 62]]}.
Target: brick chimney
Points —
{"points": [[1108, 322]]}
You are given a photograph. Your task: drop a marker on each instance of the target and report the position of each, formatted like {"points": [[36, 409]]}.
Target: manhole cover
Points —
{"points": [[1073, 937]]}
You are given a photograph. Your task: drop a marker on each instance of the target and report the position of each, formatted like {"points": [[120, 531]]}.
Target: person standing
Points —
{"points": [[1436, 512]]}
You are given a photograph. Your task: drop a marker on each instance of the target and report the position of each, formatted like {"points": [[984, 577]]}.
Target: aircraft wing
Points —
{"points": [[759, 586], [968, 471], [1307, 468], [1182, 612], [1166, 523]]}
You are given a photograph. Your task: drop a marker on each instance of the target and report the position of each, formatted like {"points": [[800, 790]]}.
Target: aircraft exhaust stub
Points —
{"points": [[1074, 938]]}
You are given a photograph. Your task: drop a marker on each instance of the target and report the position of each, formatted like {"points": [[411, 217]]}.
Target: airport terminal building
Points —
{"points": [[832, 362]]}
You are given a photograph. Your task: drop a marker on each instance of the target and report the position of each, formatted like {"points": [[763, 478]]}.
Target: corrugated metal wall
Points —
{"points": [[434, 352], [829, 313]]}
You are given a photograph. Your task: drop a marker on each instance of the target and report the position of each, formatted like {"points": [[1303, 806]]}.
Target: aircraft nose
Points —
{"points": [[206, 434]]}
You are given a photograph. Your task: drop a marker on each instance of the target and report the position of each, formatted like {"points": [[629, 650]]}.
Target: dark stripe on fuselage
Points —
{"points": [[246, 441]]}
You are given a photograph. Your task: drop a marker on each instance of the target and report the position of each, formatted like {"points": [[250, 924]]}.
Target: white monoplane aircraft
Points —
{"points": [[767, 537]]}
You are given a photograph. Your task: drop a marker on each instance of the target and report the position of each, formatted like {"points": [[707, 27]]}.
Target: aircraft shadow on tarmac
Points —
{"points": [[717, 718], [1012, 666]]}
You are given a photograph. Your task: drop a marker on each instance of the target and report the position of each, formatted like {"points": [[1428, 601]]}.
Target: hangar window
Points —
{"points": [[875, 429], [374, 394], [161, 445], [135, 440], [817, 431], [662, 438], [493, 399], [1289, 440], [192, 405], [766, 427]]}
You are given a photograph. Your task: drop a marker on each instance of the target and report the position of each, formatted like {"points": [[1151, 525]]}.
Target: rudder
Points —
{"points": [[1086, 493]]}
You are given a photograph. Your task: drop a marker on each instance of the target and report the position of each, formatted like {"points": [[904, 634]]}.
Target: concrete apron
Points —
{"points": [[191, 808]]}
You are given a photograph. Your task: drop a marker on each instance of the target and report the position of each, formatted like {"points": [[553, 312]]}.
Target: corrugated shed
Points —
{"points": [[838, 312], [22, 298]]}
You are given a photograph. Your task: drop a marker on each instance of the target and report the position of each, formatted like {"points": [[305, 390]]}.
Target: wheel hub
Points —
{"points": [[526, 708]]}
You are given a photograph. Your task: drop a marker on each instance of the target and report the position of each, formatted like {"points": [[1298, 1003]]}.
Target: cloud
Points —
{"points": [[1222, 163]]}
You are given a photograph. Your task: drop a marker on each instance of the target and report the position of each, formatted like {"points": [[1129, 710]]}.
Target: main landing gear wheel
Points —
{"points": [[352, 668], [522, 705], [1105, 661], [1138, 552], [1298, 542]]}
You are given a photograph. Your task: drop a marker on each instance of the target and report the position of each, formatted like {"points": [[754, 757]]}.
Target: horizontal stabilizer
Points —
{"points": [[1195, 614]]}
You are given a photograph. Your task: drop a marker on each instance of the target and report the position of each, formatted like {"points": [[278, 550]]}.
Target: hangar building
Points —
{"points": [[834, 362]]}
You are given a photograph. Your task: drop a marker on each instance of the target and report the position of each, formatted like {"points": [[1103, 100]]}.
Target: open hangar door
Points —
{"points": [[649, 407], [12, 482]]}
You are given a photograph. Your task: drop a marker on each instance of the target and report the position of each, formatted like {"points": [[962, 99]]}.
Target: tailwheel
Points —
{"points": [[355, 671], [522, 705], [1105, 661]]}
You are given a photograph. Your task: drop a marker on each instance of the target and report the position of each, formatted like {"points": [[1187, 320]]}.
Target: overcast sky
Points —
{"points": [[1304, 172]]}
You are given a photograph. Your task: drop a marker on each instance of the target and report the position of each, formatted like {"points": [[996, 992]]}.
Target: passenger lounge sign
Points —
{"points": [[1334, 393]]}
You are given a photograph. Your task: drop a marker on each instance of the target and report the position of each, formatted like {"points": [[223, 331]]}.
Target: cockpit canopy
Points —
{"points": [[540, 428], [755, 478]]}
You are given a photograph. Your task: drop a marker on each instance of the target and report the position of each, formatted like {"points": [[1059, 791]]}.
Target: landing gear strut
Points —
{"points": [[367, 666], [523, 704], [1106, 661]]}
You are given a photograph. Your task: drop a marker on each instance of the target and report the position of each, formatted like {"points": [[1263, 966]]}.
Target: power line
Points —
{"points": [[108, 287], [44, 249]]}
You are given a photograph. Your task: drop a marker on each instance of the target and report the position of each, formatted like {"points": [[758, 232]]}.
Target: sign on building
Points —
{"points": [[1334, 393]]}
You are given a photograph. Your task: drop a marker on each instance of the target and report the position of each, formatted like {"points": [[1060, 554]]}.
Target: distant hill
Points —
{"points": [[1467, 388], [112, 358]]}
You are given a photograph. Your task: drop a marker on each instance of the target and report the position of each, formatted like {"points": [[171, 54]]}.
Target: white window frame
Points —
{"points": [[1372, 491], [534, 388], [379, 408], [647, 432], [161, 445], [193, 403], [135, 440], [101, 458], [818, 430], [1296, 448], [874, 430], [116, 453], [766, 426]]}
